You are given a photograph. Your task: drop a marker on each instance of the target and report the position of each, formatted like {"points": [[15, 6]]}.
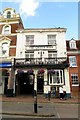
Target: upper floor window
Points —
{"points": [[8, 14], [30, 55], [51, 39], [72, 61], [5, 48], [52, 54], [29, 39], [6, 29], [72, 44]]}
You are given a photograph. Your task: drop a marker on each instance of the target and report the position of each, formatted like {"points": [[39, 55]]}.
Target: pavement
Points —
{"points": [[24, 105], [40, 98]]}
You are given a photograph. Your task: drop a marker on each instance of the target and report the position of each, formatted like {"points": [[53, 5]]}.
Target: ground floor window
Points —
{"points": [[74, 78], [55, 77]]}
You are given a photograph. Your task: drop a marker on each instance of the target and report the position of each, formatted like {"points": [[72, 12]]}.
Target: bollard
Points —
{"points": [[35, 101], [49, 95]]}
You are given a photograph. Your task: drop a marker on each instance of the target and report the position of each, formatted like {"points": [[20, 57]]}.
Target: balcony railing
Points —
{"points": [[42, 47], [39, 61]]}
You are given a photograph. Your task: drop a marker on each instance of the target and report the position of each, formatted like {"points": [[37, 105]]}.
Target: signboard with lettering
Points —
{"points": [[5, 65]]}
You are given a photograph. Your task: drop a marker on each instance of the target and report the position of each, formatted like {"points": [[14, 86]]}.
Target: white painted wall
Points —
{"points": [[40, 38], [67, 83], [61, 44], [37, 54], [20, 47]]}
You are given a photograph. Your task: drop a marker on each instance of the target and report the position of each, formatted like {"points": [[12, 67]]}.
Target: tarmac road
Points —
{"points": [[45, 110]]}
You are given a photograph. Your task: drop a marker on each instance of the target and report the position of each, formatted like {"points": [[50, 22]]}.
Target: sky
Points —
{"points": [[40, 14]]}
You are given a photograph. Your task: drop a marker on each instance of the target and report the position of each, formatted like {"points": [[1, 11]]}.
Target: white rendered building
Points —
{"points": [[45, 49]]}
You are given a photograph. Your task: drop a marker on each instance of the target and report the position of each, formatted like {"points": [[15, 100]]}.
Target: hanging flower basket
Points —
{"points": [[30, 72], [51, 71], [41, 71]]}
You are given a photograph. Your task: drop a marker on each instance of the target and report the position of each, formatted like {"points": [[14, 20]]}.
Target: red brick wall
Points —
{"points": [[75, 89], [12, 51]]}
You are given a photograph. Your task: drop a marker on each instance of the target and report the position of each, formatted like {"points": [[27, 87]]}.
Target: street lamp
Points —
{"points": [[35, 94], [35, 101]]}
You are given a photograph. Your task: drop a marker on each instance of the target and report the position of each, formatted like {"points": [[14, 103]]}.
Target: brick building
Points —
{"points": [[10, 21], [73, 52]]}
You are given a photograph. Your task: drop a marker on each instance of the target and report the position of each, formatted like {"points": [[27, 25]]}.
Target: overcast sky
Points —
{"points": [[39, 14]]}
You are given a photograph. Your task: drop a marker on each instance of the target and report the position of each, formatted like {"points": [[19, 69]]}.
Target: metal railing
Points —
{"points": [[36, 61]]}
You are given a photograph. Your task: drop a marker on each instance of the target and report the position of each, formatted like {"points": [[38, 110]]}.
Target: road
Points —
{"points": [[59, 110]]}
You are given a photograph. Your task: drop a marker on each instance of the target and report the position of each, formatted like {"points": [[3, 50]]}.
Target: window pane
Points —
{"points": [[4, 48], [9, 14], [29, 39], [74, 78], [72, 61], [56, 77], [6, 30], [73, 44], [51, 39]]}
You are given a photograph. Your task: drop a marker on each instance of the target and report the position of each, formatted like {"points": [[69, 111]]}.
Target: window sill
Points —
{"points": [[75, 85], [56, 83], [73, 66]]}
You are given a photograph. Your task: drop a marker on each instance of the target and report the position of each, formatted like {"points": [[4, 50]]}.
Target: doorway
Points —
{"points": [[5, 76], [5, 85], [25, 85]]}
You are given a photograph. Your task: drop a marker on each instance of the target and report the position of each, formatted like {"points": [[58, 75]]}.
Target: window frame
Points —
{"points": [[2, 41], [51, 39], [30, 54], [73, 80], [72, 61], [4, 49], [9, 14], [9, 29], [72, 44], [58, 77], [29, 39], [52, 54]]}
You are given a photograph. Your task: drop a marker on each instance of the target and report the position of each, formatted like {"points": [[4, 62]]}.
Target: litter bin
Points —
{"points": [[9, 93]]}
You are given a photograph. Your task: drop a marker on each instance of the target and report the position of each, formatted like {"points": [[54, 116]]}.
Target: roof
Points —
{"points": [[43, 30], [8, 9], [77, 45]]}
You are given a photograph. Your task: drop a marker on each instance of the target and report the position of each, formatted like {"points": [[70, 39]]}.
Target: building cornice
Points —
{"points": [[42, 30]]}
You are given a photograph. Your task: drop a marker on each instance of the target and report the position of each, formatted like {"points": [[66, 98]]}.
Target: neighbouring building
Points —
{"points": [[10, 21], [73, 52], [40, 54]]}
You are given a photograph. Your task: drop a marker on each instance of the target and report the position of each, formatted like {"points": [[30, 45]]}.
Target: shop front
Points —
{"points": [[38, 76], [4, 68]]}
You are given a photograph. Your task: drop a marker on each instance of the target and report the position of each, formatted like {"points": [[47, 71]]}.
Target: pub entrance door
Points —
{"points": [[24, 84]]}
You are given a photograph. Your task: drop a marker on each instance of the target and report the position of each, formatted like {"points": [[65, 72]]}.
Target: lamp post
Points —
{"points": [[35, 94], [35, 101]]}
